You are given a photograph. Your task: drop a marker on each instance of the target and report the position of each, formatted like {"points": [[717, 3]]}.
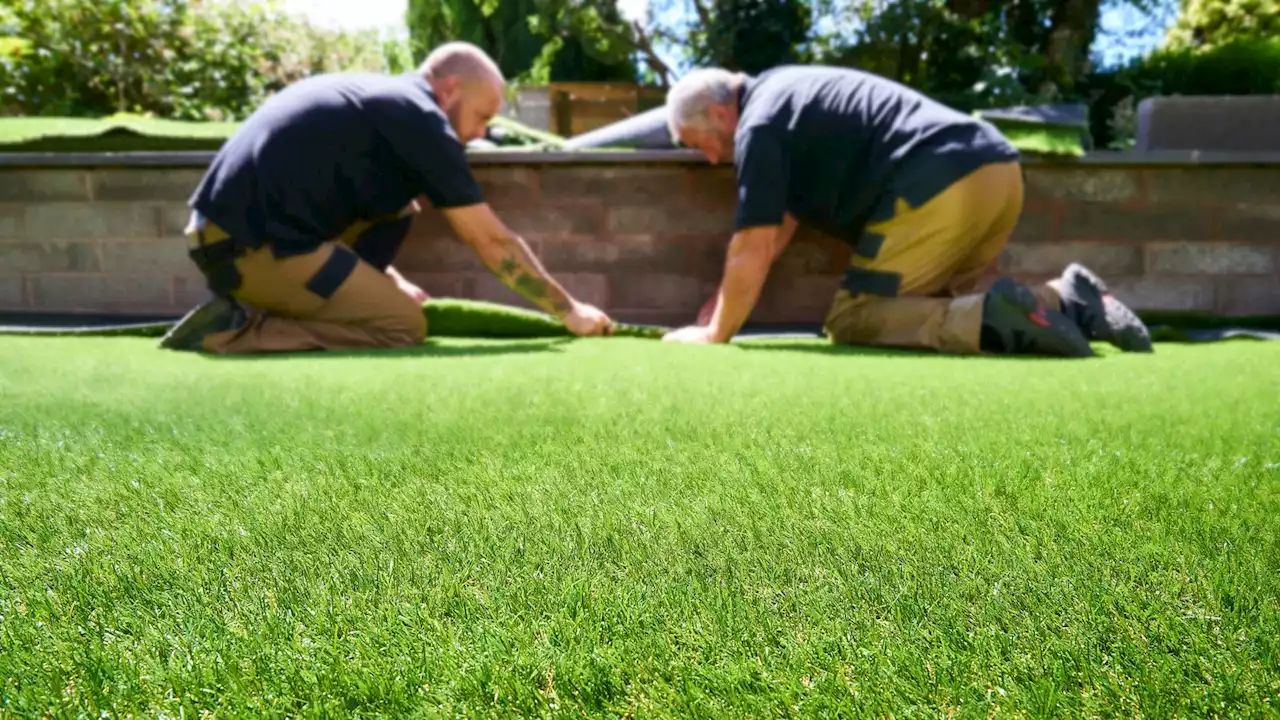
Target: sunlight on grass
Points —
{"points": [[628, 528]]}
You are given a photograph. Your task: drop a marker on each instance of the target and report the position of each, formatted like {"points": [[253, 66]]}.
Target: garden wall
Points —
{"points": [[643, 234]]}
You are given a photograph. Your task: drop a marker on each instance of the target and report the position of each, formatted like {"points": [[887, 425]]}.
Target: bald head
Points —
{"points": [[463, 61], [468, 85]]}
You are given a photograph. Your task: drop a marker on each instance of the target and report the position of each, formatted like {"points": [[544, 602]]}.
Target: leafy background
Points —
{"points": [[216, 61]]}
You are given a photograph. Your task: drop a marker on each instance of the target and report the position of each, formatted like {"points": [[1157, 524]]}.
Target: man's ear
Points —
{"points": [[449, 89], [718, 115], [723, 117]]}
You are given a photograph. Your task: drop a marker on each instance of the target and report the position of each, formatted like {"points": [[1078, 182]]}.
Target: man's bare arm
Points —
{"points": [[746, 269], [509, 257], [781, 239], [785, 233], [394, 274]]}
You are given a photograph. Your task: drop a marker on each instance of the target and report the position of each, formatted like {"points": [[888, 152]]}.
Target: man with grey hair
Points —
{"points": [[926, 197], [302, 211]]}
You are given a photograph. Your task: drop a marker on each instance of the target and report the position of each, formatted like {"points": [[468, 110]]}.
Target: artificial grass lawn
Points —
{"points": [[131, 133], [620, 527], [124, 133], [121, 133]]}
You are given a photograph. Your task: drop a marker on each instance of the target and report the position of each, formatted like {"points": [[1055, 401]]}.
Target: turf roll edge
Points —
{"points": [[446, 317], [480, 319]]}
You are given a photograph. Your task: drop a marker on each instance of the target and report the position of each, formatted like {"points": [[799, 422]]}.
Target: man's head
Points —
{"points": [[468, 84], [702, 111]]}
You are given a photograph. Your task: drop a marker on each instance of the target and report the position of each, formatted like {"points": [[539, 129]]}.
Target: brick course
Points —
{"points": [[12, 291], [1248, 296], [1210, 258], [647, 240], [44, 186]]}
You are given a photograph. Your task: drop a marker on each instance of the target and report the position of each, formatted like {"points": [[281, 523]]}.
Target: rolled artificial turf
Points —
{"points": [[450, 317], [480, 319], [446, 317]]}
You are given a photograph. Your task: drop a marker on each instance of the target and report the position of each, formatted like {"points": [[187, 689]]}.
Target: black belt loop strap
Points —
{"points": [[208, 256], [333, 273], [869, 245], [872, 282], [216, 262]]}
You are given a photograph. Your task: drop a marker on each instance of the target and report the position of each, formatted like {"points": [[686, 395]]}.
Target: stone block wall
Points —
{"points": [[96, 241], [646, 239], [646, 242], [1183, 238]]}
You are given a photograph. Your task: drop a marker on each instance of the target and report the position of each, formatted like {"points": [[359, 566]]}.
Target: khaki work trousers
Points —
{"points": [[325, 299], [919, 290]]}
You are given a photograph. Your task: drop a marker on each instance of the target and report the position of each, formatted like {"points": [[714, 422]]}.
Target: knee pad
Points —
{"points": [[333, 273]]}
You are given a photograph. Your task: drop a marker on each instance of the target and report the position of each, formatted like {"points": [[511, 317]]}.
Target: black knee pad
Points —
{"points": [[335, 271]]}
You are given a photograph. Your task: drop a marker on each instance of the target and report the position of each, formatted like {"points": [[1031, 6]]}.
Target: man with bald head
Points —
{"points": [[302, 211]]}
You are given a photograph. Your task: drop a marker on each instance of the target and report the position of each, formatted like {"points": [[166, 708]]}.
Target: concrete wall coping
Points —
{"points": [[202, 158]]}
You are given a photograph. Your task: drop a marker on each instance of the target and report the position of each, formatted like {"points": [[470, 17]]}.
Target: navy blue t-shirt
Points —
{"points": [[329, 150], [836, 147]]}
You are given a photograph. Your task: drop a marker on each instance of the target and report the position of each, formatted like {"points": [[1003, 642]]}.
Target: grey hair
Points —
{"points": [[462, 59], [689, 98]]}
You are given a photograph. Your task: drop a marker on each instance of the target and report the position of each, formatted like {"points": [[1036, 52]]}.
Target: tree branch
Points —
{"points": [[704, 14], [655, 63]]}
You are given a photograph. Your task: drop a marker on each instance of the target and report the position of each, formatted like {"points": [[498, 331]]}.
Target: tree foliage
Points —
{"points": [[970, 52], [194, 60], [1214, 47], [1245, 66], [530, 39], [168, 58], [754, 35], [964, 61], [1208, 23]]}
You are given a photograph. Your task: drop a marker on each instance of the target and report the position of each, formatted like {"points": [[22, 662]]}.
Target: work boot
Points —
{"points": [[1087, 301], [1015, 322], [214, 316]]}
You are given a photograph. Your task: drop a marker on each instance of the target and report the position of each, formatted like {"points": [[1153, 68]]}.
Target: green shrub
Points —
{"points": [[165, 58], [1242, 67], [1207, 23], [1248, 66]]}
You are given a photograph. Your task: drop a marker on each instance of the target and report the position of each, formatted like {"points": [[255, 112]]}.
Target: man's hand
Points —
{"points": [[586, 319], [693, 334], [708, 309], [418, 294], [510, 259]]}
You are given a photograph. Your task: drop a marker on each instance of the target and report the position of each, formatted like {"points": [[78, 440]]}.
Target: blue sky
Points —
{"points": [[1125, 32]]}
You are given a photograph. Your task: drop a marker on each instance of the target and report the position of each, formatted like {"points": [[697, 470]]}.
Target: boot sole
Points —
{"points": [[1114, 322], [1016, 310], [189, 332]]}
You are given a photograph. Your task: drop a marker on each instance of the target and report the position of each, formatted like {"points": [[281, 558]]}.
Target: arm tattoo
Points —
{"points": [[520, 271]]}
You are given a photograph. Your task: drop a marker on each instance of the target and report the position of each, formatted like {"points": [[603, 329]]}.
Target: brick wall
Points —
{"points": [[96, 241], [646, 240]]}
